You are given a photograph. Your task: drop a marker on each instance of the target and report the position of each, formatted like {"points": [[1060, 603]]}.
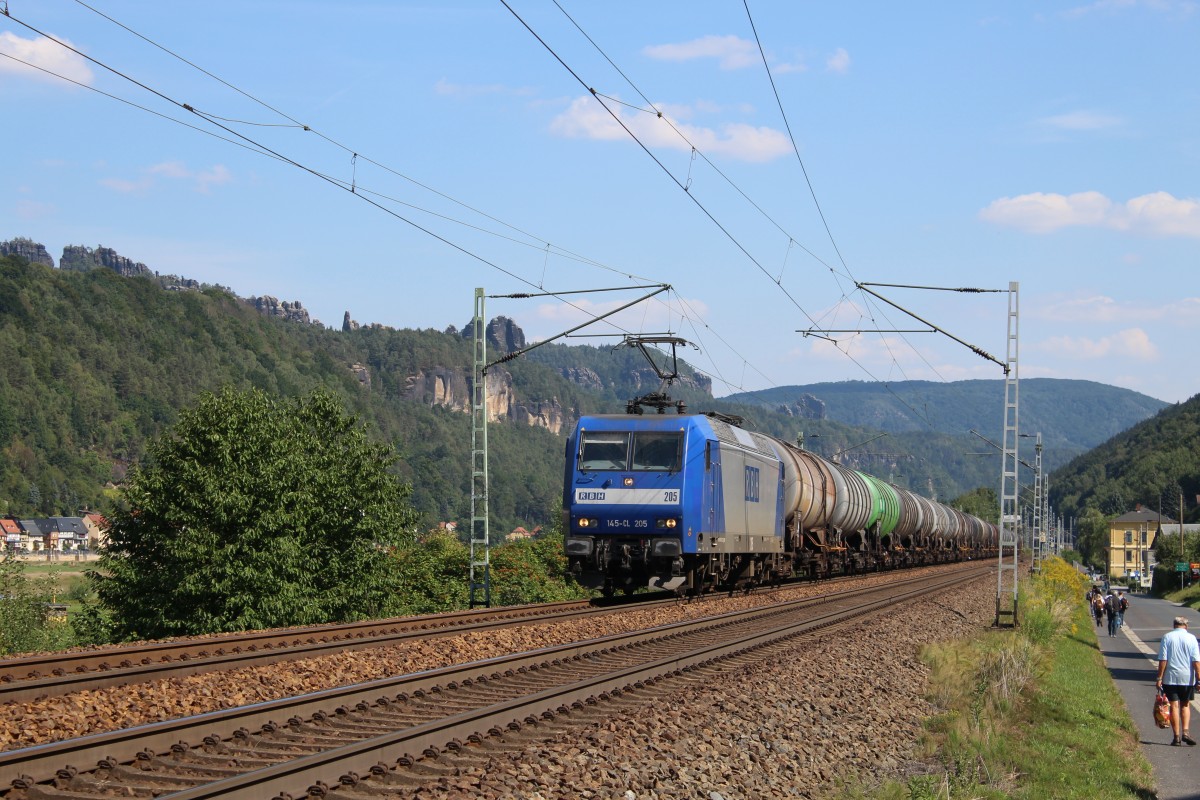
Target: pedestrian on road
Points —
{"points": [[1112, 608], [1122, 605], [1098, 607], [1178, 673]]}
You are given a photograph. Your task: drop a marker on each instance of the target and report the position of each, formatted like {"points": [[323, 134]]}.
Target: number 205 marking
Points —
{"points": [[671, 496]]}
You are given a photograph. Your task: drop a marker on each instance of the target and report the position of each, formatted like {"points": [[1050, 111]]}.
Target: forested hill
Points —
{"points": [[1151, 464], [1072, 415], [93, 364]]}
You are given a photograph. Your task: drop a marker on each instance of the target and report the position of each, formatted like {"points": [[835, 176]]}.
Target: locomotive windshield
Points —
{"points": [[657, 451], [603, 451], [652, 451]]}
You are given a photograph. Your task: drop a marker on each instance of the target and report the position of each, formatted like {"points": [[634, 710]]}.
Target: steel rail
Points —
{"points": [[41, 763], [34, 677], [73, 672]]}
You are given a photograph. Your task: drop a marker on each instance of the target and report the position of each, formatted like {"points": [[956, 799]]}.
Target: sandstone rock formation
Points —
{"points": [[450, 387], [502, 334], [82, 259], [582, 376], [272, 307], [806, 407], [27, 249], [362, 373]]}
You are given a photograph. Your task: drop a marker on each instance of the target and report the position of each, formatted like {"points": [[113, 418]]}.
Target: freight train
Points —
{"points": [[693, 502]]}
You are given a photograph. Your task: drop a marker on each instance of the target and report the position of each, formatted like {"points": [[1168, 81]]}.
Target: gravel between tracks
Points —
{"points": [[848, 710], [849, 706]]}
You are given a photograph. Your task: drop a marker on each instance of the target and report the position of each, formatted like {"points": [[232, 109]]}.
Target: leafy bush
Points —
{"points": [[26, 624], [254, 513]]}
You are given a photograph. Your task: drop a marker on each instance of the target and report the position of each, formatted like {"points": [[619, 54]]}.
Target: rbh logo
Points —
{"points": [[591, 496], [751, 484]]}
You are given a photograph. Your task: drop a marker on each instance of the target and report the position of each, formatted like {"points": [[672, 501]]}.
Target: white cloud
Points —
{"points": [[1155, 214], [202, 180], [788, 67], [1042, 213], [43, 53], [838, 62], [1160, 214], [1128, 343], [445, 87], [1179, 8], [1082, 121], [731, 52], [128, 187], [170, 169], [587, 119], [29, 210], [1103, 309]]}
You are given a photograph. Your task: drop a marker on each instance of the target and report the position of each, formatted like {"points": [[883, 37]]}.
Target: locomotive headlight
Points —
{"points": [[671, 523], [628, 481], [666, 523], [583, 523]]}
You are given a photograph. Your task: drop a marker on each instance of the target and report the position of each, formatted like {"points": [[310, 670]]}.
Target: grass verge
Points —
{"points": [[1031, 714]]}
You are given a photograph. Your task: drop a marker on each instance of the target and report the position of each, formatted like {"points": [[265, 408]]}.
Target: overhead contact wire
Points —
{"points": [[268, 151], [307, 128], [655, 159]]}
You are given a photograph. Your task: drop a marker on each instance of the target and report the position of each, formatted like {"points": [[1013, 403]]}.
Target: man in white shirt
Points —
{"points": [[1178, 673]]}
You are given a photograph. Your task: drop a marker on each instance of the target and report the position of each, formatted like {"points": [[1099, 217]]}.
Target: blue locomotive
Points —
{"points": [[693, 502]]}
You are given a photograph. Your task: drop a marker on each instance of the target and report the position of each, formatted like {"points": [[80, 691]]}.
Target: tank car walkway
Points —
{"points": [[1131, 657]]}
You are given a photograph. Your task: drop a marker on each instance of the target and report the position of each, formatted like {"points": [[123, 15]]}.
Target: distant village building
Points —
{"points": [[12, 534], [1130, 551], [45, 534], [97, 530], [520, 533]]}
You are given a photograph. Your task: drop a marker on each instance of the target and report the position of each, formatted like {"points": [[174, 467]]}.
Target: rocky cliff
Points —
{"points": [[272, 307], [27, 249], [806, 407], [80, 258], [450, 387], [502, 334]]}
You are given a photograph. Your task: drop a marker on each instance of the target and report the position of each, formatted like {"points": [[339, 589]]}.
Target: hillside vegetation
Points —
{"points": [[1073, 416], [1150, 464], [93, 365]]}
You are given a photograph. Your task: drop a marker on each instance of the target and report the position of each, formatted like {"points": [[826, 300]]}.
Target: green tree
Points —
{"points": [[25, 621], [254, 512], [532, 571], [432, 572], [981, 502], [1093, 538]]}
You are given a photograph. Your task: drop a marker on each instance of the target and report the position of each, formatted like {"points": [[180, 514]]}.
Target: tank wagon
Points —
{"points": [[694, 502]]}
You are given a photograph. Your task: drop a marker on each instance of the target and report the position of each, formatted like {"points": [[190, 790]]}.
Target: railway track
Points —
{"points": [[397, 732], [28, 678], [33, 677]]}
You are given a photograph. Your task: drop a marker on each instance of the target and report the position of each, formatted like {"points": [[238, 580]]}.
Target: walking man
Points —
{"points": [[1112, 608], [1178, 672]]}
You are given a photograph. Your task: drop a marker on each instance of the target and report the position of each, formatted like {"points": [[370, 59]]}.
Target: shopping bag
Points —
{"points": [[1162, 710]]}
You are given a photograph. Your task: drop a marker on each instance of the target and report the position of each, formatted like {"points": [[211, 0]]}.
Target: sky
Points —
{"points": [[790, 169]]}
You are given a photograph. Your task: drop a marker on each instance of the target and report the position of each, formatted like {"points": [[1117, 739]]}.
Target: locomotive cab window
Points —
{"points": [[657, 451], [603, 451]]}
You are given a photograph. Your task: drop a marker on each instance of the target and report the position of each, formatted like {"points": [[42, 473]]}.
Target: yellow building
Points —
{"points": [[1130, 551]]}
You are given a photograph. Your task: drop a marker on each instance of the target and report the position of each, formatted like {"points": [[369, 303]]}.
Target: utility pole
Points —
{"points": [[1039, 520], [481, 575], [1007, 567]]}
